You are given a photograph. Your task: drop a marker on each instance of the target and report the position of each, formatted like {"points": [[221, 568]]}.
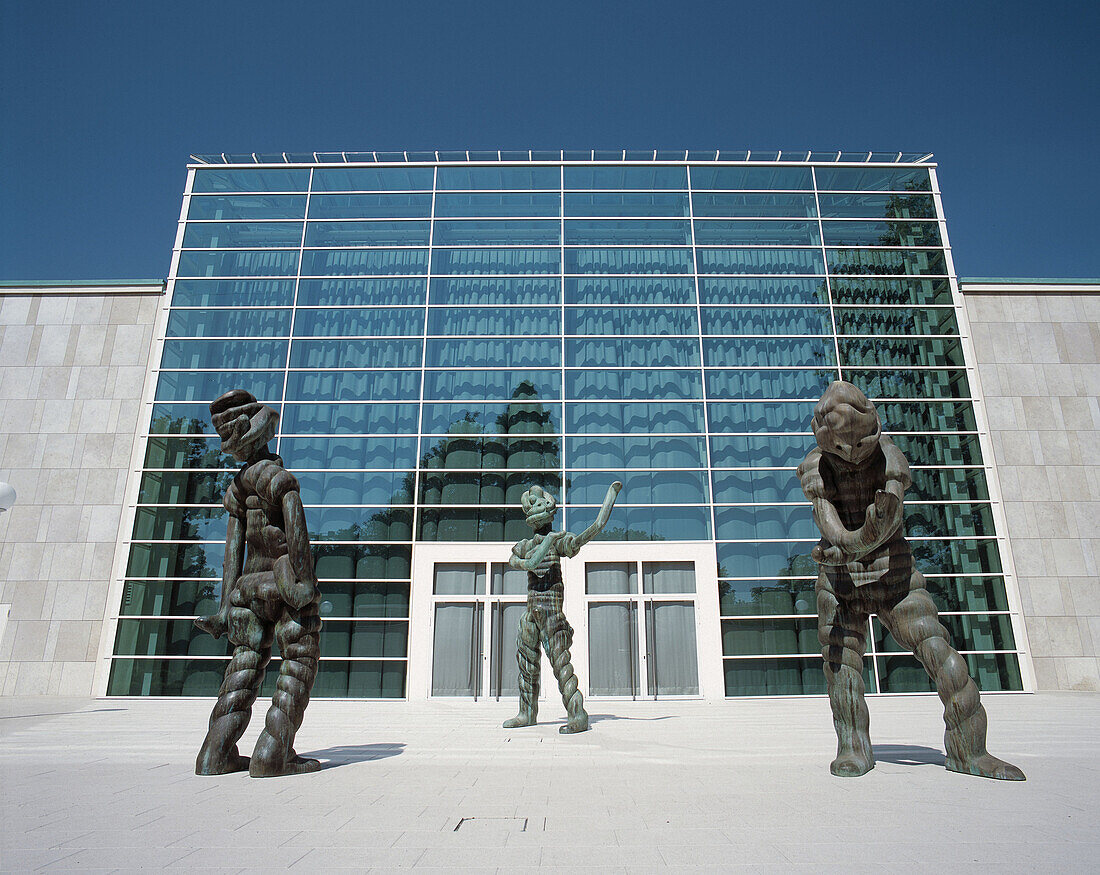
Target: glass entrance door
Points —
{"points": [[475, 614], [642, 639]]}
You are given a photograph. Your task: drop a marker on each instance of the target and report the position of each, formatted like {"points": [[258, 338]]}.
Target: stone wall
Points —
{"points": [[1038, 357], [73, 365]]}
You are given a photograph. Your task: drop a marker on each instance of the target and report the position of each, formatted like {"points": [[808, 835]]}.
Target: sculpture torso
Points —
{"points": [[255, 497]]}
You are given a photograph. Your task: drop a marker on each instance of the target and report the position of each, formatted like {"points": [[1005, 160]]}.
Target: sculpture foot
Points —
{"points": [[296, 765], [519, 720], [577, 724], [851, 765], [226, 766], [985, 766]]}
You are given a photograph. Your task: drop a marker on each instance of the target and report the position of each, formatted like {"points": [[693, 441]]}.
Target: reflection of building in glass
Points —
{"points": [[438, 335]]}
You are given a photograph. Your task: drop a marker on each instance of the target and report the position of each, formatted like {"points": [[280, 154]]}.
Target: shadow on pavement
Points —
{"points": [[597, 718], [344, 755], [909, 755]]}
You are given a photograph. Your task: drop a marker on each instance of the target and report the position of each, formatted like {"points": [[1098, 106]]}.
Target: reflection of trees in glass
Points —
{"points": [[488, 467]]}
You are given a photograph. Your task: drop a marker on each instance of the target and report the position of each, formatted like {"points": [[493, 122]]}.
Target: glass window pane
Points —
{"points": [[738, 598], [372, 179], [626, 204], [895, 320], [481, 178], [384, 452], [901, 351], [636, 383], [353, 386], [232, 293], [646, 232], [753, 205], [948, 484], [887, 261], [885, 206], [311, 418], [630, 352], [176, 560], [927, 416], [628, 261], [739, 417], [760, 485], [672, 668], [635, 452], [180, 524], [508, 581], [613, 649], [365, 262], [769, 353], [186, 452], [882, 233], [780, 677], [370, 206], [207, 385], [373, 233], [773, 451], [236, 353], [456, 654], [480, 261], [490, 385], [642, 487], [495, 290], [629, 290], [242, 206], [259, 179], [354, 353], [752, 178], [485, 352], [521, 456], [748, 523], [766, 320], [646, 523], [380, 322], [761, 261], [656, 176], [516, 232], [228, 323], [491, 205], [772, 637], [769, 560], [610, 578], [472, 524], [874, 178], [515, 417], [465, 321], [910, 383], [630, 320], [360, 292], [241, 263], [242, 235], [663, 578], [762, 290], [359, 523], [638, 418], [455, 578], [761, 233], [761, 384]]}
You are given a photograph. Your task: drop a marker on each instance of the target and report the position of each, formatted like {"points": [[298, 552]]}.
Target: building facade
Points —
{"points": [[441, 330]]}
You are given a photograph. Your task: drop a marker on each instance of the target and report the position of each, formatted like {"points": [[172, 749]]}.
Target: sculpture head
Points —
{"points": [[244, 425], [846, 424], [539, 506]]}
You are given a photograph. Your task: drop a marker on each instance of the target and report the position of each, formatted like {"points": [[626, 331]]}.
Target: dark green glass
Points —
{"points": [[956, 557], [877, 206], [939, 449], [910, 383], [166, 677], [948, 484], [872, 290], [780, 677], [887, 262], [186, 452], [442, 486], [901, 352], [966, 631], [967, 593], [903, 673], [949, 520], [895, 320], [753, 637], [472, 524], [343, 638], [180, 524], [381, 599], [170, 598], [175, 560], [181, 419], [362, 562], [740, 598], [182, 487], [926, 416]]}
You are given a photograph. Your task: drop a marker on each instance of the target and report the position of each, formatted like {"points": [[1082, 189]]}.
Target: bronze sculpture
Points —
{"points": [[544, 620], [269, 593], [856, 479]]}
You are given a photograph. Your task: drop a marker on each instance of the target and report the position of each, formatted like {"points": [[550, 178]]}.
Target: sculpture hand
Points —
{"points": [[833, 555], [216, 624]]}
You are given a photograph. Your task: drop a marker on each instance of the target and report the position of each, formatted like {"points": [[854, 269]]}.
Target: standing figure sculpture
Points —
{"points": [[269, 593], [544, 620], [856, 479]]}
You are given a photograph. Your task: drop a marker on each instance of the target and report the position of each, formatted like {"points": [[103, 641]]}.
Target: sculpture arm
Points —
{"points": [[216, 624], [537, 561], [570, 544], [300, 591], [845, 545]]}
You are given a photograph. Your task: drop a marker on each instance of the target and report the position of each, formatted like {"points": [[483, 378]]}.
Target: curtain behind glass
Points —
{"points": [[456, 655], [612, 649], [673, 667]]}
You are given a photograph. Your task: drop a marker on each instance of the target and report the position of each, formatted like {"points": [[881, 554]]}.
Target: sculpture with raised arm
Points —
{"points": [[544, 621], [269, 593], [856, 479]]}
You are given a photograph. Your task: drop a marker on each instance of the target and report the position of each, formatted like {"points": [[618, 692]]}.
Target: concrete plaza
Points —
{"points": [[108, 784]]}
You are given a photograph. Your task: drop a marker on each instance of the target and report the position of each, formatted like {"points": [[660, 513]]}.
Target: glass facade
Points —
{"points": [[440, 335]]}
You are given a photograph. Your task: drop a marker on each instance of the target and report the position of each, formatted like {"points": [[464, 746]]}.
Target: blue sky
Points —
{"points": [[102, 102]]}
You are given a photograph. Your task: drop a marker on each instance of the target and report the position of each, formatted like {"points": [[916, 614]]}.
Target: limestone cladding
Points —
{"points": [[73, 365], [1037, 349]]}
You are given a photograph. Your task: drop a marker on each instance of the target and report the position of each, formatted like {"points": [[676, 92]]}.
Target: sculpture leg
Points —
{"points": [[229, 719], [528, 656], [914, 622], [843, 637], [298, 635], [559, 638]]}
